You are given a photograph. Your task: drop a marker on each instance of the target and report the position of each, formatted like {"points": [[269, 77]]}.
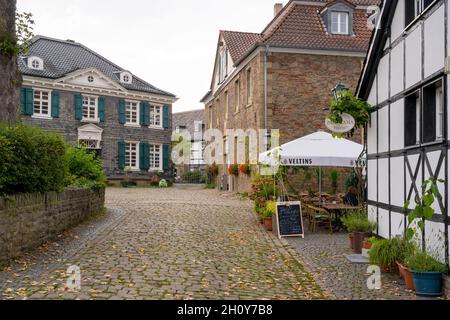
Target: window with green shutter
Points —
{"points": [[144, 156], [166, 117], [101, 109], [166, 157], [55, 104], [122, 113], [26, 101], [145, 114], [121, 155], [78, 104]]}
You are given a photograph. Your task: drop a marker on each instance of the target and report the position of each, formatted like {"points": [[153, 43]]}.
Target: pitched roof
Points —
{"points": [[187, 119], [62, 57], [299, 25]]}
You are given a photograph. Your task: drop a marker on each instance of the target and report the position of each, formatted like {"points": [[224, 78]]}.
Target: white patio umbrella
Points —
{"points": [[319, 149]]}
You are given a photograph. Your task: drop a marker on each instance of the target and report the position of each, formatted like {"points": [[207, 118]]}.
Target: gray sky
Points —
{"points": [[169, 43]]}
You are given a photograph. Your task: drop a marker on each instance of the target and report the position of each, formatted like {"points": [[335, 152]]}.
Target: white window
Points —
{"points": [[90, 79], [35, 63], [223, 65], [132, 112], [339, 22], [41, 103], [89, 144], [155, 157], [237, 96], [155, 116], [198, 126], [90, 108], [249, 87], [439, 113], [226, 105], [131, 155], [126, 77]]}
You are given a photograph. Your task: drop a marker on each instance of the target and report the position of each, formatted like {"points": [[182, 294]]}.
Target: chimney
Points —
{"points": [[277, 8]]}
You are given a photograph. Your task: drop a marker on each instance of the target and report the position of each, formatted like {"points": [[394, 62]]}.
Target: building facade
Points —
{"points": [[282, 78], [406, 81], [192, 124], [92, 102]]}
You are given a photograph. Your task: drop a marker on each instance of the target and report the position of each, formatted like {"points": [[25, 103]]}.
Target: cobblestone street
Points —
{"points": [[178, 243]]}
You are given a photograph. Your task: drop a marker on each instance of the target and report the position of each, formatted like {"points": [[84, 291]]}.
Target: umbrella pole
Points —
{"points": [[320, 186]]}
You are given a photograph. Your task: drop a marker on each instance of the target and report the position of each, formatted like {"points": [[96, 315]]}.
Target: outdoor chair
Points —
{"points": [[319, 215]]}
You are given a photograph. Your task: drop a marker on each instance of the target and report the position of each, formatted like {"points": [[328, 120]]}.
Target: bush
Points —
{"points": [[194, 177], [358, 222], [387, 253], [85, 169], [32, 160], [351, 180], [163, 184]]}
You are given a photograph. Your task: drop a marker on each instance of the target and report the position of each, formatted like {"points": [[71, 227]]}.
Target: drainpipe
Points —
{"points": [[266, 54]]}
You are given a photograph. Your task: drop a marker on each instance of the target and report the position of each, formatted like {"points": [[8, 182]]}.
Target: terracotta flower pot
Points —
{"points": [[391, 269], [401, 270], [358, 239], [409, 279], [268, 224], [367, 245], [350, 236]]}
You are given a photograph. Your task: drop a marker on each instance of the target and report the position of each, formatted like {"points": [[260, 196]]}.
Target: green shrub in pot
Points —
{"points": [[386, 253], [360, 226]]}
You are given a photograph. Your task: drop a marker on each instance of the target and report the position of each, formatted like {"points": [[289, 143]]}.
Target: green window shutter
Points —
{"points": [[166, 157], [23, 100], [142, 114], [101, 109], [144, 156], [145, 114], [55, 104], [28, 101], [122, 116], [121, 148], [78, 107], [166, 116]]}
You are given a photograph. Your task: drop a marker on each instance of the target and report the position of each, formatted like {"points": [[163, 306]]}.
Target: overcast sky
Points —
{"points": [[169, 43]]}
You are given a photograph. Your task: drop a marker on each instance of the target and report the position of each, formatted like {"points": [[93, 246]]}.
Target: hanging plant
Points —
{"points": [[233, 170], [245, 169], [348, 103]]}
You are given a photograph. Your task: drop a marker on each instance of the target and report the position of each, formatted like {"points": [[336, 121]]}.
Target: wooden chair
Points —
{"points": [[319, 215]]}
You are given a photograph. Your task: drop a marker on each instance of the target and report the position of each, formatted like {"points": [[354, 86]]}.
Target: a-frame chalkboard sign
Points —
{"points": [[288, 220]]}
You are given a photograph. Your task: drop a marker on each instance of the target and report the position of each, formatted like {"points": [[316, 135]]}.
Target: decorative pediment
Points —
{"points": [[90, 132], [91, 78]]}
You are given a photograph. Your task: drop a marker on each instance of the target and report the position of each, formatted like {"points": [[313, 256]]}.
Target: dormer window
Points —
{"points": [[126, 77], [35, 63], [339, 22]]}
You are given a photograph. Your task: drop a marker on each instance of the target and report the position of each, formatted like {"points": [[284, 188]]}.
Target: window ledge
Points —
{"points": [[133, 125], [41, 116], [156, 127], [90, 120]]}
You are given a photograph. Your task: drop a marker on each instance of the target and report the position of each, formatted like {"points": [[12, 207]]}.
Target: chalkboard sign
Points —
{"points": [[289, 220]]}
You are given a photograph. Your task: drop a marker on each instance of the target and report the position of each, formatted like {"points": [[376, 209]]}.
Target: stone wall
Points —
{"points": [[447, 286], [29, 220]]}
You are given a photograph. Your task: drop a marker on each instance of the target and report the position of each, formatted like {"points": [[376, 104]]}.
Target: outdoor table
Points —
{"points": [[337, 210]]}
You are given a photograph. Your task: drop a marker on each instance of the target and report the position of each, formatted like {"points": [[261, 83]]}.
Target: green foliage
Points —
{"points": [[233, 170], [334, 175], [348, 103], [13, 44], [387, 253], [163, 184], [263, 192], [358, 222], [34, 161], [351, 180], [86, 171], [422, 261], [194, 177], [270, 209]]}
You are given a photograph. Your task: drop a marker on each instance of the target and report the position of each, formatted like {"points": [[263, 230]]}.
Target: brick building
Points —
{"points": [[92, 102], [282, 78]]}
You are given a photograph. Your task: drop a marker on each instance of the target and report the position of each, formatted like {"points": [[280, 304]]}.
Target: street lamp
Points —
{"points": [[340, 88]]}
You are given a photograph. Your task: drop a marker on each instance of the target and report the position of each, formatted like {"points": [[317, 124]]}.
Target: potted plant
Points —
{"points": [[367, 245], [245, 169], [233, 170], [407, 249], [269, 212], [385, 253], [359, 225], [427, 274]]}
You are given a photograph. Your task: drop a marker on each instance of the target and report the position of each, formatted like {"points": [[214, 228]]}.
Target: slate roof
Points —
{"points": [[187, 119], [62, 57], [299, 25]]}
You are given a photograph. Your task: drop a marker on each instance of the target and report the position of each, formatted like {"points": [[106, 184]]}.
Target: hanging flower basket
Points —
{"points": [[233, 170], [245, 169]]}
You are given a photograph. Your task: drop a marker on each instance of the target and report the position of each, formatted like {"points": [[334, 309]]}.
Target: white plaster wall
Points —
{"points": [[397, 125], [434, 42], [398, 24], [372, 180], [372, 99], [397, 67], [433, 158], [372, 134], [413, 160], [413, 57], [383, 223], [372, 213], [383, 180], [397, 224], [397, 181], [383, 130], [383, 79], [435, 239]]}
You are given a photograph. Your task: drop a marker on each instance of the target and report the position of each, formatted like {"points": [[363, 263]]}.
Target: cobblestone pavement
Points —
{"points": [[164, 244], [324, 255]]}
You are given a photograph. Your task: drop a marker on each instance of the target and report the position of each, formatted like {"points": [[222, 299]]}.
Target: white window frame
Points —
{"points": [[32, 60], [91, 144], [40, 114], [128, 158], [152, 148], [128, 104], [152, 117], [227, 104], [123, 77], [440, 113], [249, 80], [237, 93], [223, 65], [95, 119], [340, 23]]}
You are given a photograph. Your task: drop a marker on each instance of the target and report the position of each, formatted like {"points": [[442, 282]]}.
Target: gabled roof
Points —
{"points": [[187, 119], [62, 57], [238, 43]]}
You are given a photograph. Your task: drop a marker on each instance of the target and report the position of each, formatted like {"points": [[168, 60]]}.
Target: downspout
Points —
{"points": [[266, 54]]}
